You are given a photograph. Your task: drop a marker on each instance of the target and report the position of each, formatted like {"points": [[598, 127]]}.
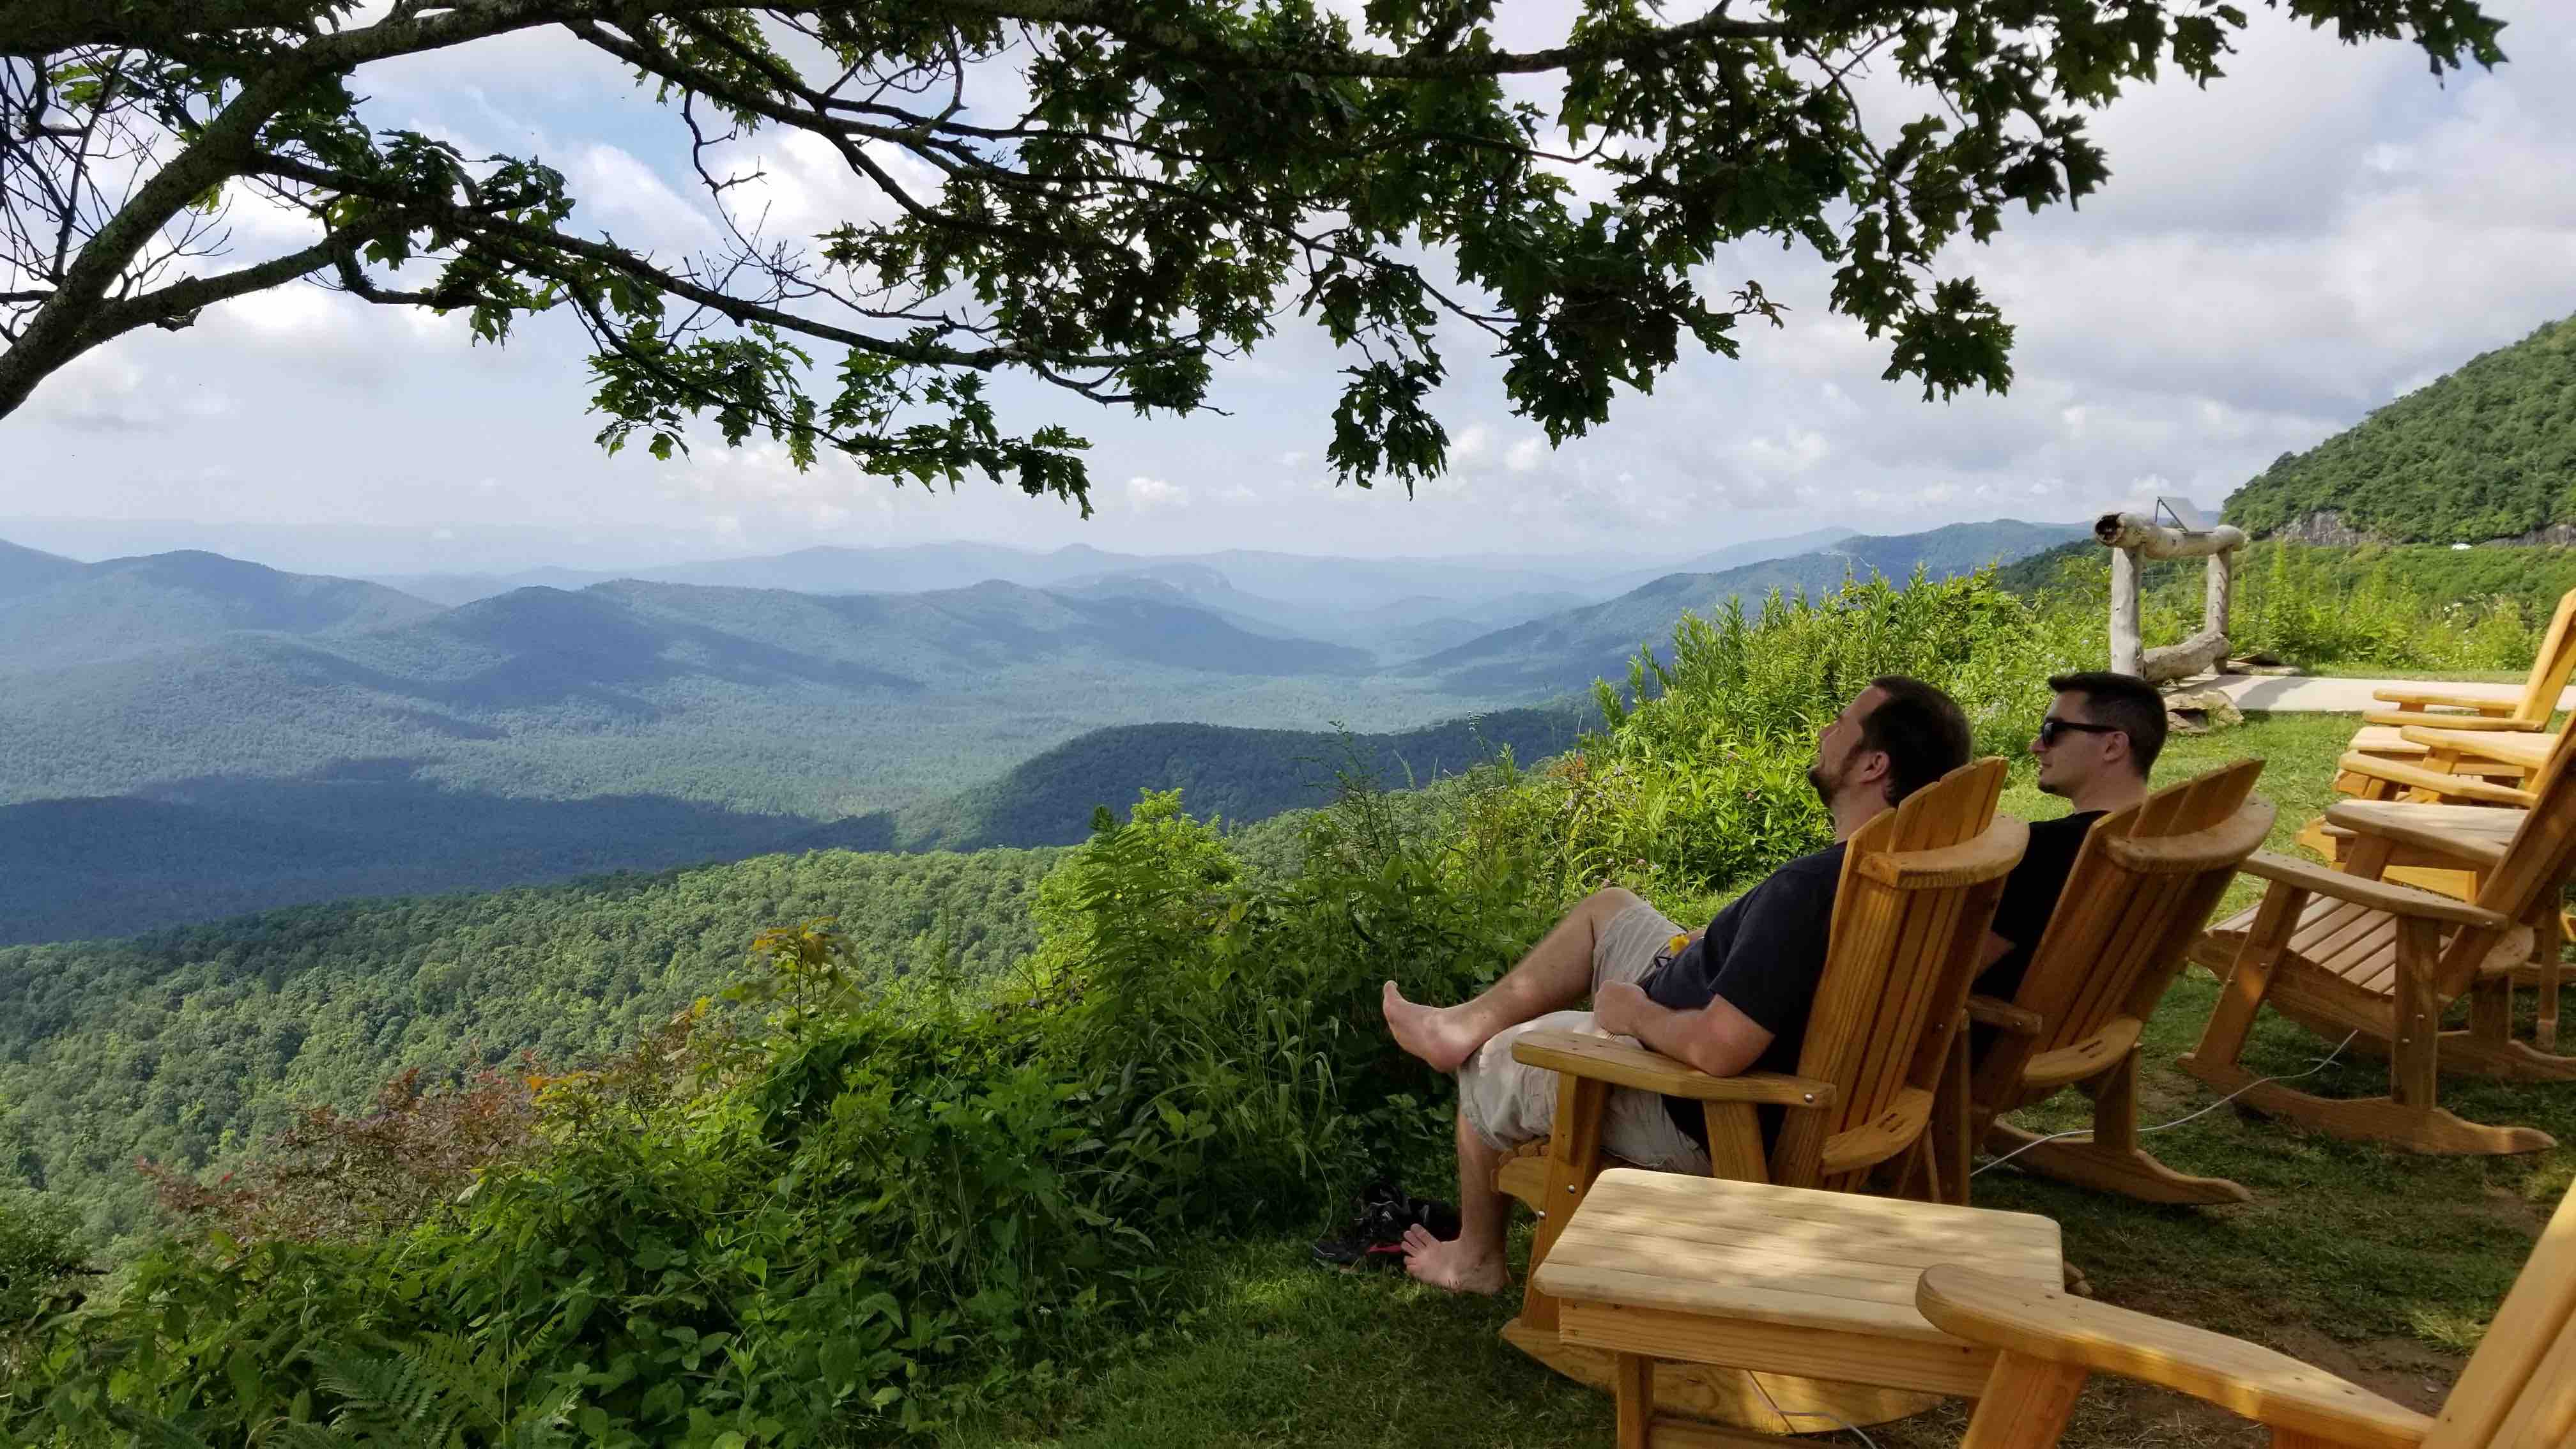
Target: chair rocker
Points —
{"points": [[1884, 1039], [2518, 1391], [2348, 950], [2140, 891]]}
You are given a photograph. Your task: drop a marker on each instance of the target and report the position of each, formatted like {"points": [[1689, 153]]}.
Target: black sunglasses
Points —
{"points": [[2052, 727]]}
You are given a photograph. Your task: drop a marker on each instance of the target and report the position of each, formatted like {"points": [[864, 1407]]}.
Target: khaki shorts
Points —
{"points": [[1509, 1103]]}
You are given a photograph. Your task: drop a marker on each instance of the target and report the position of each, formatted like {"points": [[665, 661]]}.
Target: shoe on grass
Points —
{"points": [[1375, 1236]]}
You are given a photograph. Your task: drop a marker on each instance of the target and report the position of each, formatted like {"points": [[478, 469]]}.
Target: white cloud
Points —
{"points": [[1526, 454], [1144, 492]]}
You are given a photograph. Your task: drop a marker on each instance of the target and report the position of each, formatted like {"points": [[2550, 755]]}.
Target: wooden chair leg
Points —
{"points": [[1633, 1380], [1573, 1160], [1950, 1136], [2414, 1058], [2026, 1404], [2249, 980]]}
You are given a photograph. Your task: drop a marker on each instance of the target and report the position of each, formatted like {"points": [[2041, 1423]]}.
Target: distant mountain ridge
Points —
{"points": [[185, 734], [2485, 454], [1568, 651], [59, 612]]}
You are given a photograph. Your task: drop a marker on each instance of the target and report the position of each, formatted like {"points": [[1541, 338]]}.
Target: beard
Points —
{"points": [[1824, 784]]}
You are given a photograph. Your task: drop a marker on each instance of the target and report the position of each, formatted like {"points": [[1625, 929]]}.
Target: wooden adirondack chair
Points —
{"points": [[2140, 891], [2347, 951], [1885, 1037], [2382, 735], [2518, 1392]]}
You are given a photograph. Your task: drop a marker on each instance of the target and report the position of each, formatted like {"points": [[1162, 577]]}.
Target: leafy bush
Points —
{"points": [[1703, 781], [879, 1204]]}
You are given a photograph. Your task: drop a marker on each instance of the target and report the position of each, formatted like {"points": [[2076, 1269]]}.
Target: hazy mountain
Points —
{"points": [[544, 733], [1569, 650], [163, 601], [1334, 585], [25, 571], [1737, 555]]}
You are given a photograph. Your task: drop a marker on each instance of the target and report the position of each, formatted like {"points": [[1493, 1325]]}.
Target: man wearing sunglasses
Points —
{"points": [[2095, 747]]}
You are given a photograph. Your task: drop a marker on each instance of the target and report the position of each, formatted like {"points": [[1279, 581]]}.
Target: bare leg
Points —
{"points": [[1555, 976], [1473, 1261]]}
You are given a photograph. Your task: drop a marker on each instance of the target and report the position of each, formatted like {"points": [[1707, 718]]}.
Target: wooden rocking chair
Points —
{"points": [[2518, 1392], [1884, 1039], [2383, 732], [2140, 891], [2348, 951]]}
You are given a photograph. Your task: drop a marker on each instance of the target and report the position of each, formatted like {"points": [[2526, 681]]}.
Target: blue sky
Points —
{"points": [[2321, 231]]}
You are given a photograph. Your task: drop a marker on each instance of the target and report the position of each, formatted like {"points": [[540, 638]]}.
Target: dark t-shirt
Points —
{"points": [[1765, 953], [2030, 898]]}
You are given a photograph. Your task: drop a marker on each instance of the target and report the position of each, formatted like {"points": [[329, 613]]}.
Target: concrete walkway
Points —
{"points": [[2342, 696]]}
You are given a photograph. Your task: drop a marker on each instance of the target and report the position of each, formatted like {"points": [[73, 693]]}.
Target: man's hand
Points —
{"points": [[1620, 1008]]}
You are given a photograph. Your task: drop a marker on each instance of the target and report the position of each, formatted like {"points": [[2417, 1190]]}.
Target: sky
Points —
{"points": [[2323, 230]]}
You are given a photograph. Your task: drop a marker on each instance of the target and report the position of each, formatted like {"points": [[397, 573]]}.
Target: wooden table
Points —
{"points": [[1659, 1266]]}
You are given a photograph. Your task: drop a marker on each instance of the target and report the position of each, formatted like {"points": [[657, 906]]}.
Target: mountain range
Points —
{"points": [[185, 734]]}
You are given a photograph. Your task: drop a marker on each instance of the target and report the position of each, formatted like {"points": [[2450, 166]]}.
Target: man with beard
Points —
{"points": [[1729, 999]]}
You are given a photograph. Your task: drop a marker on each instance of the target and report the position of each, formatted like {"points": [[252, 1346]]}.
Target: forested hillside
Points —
{"points": [[182, 1043], [1570, 650], [1235, 774], [2485, 453], [196, 850]]}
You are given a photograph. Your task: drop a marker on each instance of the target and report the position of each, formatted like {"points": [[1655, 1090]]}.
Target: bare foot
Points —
{"points": [[1429, 1032], [1452, 1265]]}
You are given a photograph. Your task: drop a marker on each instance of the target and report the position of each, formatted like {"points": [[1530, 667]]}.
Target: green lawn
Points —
{"points": [[2378, 1264]]}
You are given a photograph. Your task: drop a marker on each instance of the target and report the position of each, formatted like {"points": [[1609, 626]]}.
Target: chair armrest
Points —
{"points": [[2037, 1321], [2413, 777], [2389, 896], [2446, 698], [2499, 723], [2389, 820], [2527, 751], [1994, 1011], [1620, 1064]]}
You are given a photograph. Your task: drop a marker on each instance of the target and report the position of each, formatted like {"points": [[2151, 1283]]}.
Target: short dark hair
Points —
{"points": [[2124, 702], [1921, 730]]}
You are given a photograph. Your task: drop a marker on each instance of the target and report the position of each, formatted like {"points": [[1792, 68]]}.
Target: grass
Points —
{"points": [[2377, 1264]]}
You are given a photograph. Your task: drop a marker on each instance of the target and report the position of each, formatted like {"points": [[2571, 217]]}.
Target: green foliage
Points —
{"points": [[2348, 609], [1703, 781], [878, 1206], [2486, 452], [40, 1254], [1181, 176], [187, 1045]]}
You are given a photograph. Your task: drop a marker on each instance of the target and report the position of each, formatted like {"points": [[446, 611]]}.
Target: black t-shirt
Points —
{"points": [[2030, 898], [1765, 953]]}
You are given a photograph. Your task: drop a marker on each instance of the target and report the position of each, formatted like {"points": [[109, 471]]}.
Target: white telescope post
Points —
{"points": [[2133, 537]]}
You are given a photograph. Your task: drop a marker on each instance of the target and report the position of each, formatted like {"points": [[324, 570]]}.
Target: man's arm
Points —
{"points": [[1717, 1039]]}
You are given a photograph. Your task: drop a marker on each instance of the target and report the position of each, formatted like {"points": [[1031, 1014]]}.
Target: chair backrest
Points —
{"points": [[2138, 894], [2519, 1390], [2552, 665], [1918, 891]]}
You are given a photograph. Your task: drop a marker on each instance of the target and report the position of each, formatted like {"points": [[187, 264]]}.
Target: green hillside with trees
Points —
{"points": [[185, 1045], [1570, 650], [2485, 453]]}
